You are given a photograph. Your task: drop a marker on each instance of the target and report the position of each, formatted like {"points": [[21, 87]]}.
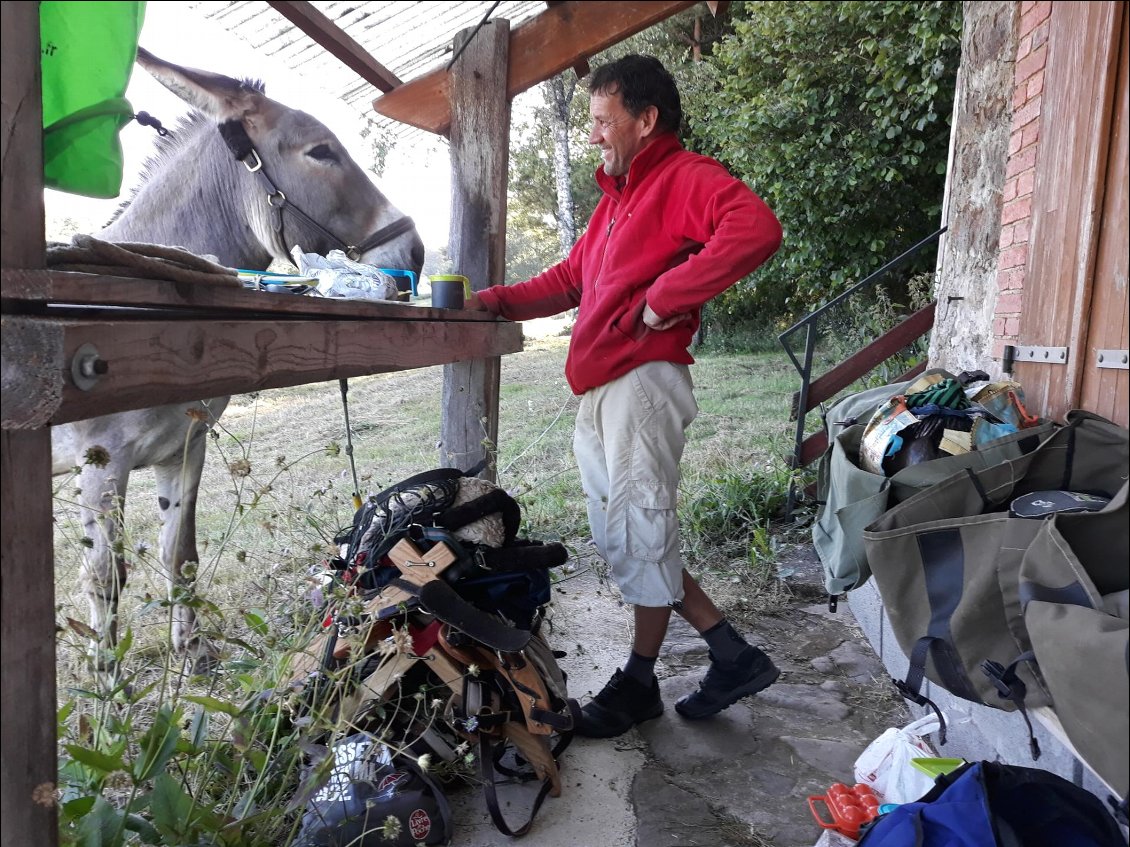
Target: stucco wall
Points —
{"points": [[979, 191]]}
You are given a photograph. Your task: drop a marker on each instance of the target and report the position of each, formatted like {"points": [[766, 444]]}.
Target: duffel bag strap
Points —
{"points": [[911, 687], [532, 556], [1012, 688], [517, 555], [490, 791], [534, 748], [496, 500]]}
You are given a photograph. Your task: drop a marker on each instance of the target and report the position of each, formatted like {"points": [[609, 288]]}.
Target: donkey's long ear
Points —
{"points": [[217, 95]]}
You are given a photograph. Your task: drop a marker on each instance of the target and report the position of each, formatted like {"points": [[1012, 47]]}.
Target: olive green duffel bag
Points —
{"points": [[1074, 587], [851, 497], [947, 564]]}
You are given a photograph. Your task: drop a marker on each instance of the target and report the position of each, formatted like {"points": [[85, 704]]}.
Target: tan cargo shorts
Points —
{"points": [[629, 440]]}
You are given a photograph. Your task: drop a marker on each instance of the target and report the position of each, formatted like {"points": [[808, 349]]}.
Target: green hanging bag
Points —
{"points": [[87, 55]]}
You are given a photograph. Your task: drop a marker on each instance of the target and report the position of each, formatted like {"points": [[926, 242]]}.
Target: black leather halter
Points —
{"points": [[235, 136]]}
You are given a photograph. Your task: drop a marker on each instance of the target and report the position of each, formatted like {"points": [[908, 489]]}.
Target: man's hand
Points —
{"points": [[473, 303], [653, 320]]}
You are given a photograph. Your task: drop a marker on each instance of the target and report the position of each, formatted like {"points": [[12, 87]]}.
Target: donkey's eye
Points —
{"points": [[322, 153]]}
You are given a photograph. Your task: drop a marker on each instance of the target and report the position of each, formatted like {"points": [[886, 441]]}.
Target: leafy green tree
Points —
{"points": [[837, 114], [533, 212]]}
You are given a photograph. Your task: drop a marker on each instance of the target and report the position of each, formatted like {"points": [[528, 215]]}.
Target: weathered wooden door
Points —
{"points": [[1075, 297]]}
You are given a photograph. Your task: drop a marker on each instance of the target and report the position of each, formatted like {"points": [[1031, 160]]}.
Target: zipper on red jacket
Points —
{"points": [[608, 234], [603, 253]]}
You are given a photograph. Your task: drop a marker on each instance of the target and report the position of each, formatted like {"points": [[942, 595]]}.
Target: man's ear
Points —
{"points": [[650, 117]]}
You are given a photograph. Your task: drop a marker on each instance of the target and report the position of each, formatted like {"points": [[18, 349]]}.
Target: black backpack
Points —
{"points": [[496, 570]]}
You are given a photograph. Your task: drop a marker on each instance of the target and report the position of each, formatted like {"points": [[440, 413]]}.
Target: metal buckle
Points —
{"points": [[258, 162]]}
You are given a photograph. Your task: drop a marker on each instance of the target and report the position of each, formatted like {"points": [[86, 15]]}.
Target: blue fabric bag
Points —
{"points": [[988, 804]]}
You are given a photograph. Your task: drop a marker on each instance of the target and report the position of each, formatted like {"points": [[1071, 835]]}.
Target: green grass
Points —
{"points": [[293, 488], [277, 488]]}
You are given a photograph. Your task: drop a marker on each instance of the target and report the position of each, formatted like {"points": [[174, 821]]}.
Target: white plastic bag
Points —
{"points": [[885, 765], [340, 276]]}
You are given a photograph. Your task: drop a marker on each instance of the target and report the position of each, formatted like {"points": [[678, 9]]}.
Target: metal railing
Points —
{"points": [[813, 392]]}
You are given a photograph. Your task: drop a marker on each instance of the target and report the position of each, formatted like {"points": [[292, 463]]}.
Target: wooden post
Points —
{"points": [[480, 138], [27, 562]]}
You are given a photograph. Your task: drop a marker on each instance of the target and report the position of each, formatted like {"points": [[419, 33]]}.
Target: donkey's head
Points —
{"points": [[296, 185]]}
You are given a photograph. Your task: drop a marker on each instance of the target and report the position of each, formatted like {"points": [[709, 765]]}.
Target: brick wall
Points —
{"points": [[1020, 173]]}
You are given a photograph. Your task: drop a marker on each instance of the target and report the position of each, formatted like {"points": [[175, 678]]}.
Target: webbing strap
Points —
{"points": [[943, 566], [490, 790], [1072, 594], [911, 687], [496, 500], [1012, 688]]}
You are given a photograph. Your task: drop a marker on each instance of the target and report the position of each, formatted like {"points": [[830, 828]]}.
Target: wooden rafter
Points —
{"points": [[334, 39], [567, 32], [581, 67]]}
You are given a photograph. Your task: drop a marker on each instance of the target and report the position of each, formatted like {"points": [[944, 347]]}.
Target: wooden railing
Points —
{"points": [[814, 391]]}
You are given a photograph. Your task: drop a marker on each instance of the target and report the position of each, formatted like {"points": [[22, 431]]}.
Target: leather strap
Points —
{"points": [[241, 146]]}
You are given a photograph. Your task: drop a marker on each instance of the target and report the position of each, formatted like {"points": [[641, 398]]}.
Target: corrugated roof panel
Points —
{"points": [[408, 38]]}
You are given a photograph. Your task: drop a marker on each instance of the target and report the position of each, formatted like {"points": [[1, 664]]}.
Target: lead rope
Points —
{"points": [[344, 383]]}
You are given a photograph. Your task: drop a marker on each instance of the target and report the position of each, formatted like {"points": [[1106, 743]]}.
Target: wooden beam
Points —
{"points": [[151, 363], [541, 47], [813, 447], [581, 67], [28, 803], [337, 42], [36, 290], [480, 133], [878, 351]]}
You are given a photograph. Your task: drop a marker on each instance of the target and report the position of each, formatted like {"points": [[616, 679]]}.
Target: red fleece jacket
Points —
{"points": [[679, 231]]}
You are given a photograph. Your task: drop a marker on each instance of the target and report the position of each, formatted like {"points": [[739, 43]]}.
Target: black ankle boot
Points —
{"points": [[727, 682], [620, 705]]}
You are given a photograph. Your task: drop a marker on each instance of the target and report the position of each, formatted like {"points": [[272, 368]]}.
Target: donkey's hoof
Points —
{"points": [[201, 657], [103, 658]]}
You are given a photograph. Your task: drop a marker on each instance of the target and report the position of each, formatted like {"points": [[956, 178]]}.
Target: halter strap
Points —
{"points": [[238, 141]]}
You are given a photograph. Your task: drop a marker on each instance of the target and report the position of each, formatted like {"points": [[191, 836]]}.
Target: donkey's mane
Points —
{"points": [[188, 127]]}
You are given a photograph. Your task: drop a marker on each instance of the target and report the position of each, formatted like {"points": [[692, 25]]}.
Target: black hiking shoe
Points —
{"points": [[620, 705], [726, 683]]}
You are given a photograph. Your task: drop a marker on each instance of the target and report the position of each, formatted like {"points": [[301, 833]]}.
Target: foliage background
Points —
{"points": [[837, 114]]}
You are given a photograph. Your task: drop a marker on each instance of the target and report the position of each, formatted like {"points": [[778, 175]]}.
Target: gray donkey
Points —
{"points": [[244, 181]]}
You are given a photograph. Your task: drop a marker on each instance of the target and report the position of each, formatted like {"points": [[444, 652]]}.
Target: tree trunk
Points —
{"points": [[561, 95]]}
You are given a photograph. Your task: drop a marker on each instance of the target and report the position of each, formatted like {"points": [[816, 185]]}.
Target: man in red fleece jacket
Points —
{"points": [[672, 230]]}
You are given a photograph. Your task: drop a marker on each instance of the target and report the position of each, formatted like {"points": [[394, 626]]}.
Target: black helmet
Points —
{"points": [[370, 800]]}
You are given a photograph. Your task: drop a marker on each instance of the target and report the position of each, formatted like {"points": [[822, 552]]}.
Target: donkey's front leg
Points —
{"points": [[177, 487], [103, 572]]}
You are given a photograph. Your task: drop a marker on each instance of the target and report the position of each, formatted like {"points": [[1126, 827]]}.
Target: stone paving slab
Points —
{"points": [[739, 779]]}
